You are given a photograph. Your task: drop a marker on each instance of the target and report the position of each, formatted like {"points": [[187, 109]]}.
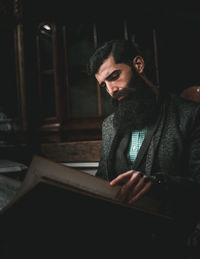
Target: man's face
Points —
{"points": [[135, 102], [114, 77]]}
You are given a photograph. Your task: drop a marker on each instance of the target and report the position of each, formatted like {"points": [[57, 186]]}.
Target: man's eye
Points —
{"points": [[103, 85], [115, 76]]}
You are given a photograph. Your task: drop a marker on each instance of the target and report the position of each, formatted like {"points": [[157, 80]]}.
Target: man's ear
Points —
{"points": [[138, 63]]}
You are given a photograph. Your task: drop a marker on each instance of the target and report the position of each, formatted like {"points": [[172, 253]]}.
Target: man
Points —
{"points": [[151, 143]]}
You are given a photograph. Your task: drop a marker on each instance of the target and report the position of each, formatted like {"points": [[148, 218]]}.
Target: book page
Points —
{"points": [[41, 167], [72, 178]]}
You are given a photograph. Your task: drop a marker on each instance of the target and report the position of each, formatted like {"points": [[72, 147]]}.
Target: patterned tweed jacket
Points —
{"points": [[173, 152]]}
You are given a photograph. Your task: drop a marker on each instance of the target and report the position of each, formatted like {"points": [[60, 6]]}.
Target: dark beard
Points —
{"points": [[137, 110]]}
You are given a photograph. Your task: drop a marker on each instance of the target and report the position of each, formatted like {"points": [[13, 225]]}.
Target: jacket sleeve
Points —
{"points": [[182, 193], [101, 170]]}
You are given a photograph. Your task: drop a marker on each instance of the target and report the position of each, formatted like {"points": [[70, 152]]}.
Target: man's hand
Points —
{"points": [[133, 186]]}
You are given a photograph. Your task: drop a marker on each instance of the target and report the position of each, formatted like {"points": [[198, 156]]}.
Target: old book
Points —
{"points": [[44, 169], [59, 211]]}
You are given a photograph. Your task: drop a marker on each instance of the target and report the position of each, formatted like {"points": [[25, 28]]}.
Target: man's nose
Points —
{"points": [[112, 89]]}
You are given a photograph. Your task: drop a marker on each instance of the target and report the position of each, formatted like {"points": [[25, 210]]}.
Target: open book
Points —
{"points": [[61, 211], [42, 169]]}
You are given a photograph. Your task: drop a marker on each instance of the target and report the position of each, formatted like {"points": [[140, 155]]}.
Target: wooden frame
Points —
{"points": [[64, 127]]}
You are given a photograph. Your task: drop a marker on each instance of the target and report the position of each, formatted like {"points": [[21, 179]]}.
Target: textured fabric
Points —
{"points": [[137, 138], [171, 148], [174, 151]]}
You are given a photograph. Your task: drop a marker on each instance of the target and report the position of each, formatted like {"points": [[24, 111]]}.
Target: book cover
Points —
{"points": [[76, 180]]}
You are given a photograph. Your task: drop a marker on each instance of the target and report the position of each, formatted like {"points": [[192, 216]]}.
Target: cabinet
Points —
{"points": [[71, 104]]}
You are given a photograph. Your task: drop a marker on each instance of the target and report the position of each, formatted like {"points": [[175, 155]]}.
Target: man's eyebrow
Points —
{"points": [[109, 77]]}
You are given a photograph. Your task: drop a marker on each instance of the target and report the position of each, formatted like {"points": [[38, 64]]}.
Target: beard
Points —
{"points": [[138, 108]]}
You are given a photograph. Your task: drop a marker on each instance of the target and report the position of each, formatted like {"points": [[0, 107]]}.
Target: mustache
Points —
{"points": [[124, 92]]}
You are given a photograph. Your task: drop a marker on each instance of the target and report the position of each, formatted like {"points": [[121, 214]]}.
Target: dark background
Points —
{"points": [[178, 41]]}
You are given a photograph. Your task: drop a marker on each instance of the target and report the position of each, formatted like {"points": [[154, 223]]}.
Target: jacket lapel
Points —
{"points": [[118, 147]]}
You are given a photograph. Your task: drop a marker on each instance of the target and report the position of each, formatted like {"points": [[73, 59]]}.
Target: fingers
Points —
{"points": [[134, 186], [122, 178], [140, 193], [129, 186], [138, 186]]}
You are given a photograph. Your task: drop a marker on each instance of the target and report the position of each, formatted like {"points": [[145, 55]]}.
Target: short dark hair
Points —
{"points": [[123, 51]]}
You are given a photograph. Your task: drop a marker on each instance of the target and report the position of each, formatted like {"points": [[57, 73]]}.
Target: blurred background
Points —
{"points": [[48, 104]]}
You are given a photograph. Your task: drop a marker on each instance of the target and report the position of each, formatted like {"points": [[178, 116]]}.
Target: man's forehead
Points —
{"points": [[106, 68]]}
